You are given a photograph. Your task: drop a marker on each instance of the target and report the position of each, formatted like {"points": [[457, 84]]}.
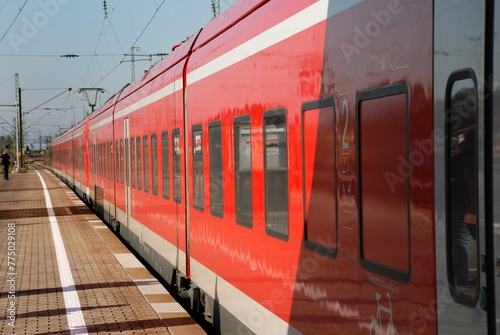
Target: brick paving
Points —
{"points": [[115, 297]]}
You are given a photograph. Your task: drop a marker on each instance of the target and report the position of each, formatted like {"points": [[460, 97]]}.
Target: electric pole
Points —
{"points": [[216, 7], [19, 154]]}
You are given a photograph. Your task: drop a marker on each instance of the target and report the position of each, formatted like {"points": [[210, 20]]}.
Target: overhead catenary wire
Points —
{"points": [[134, 44], [13, 21]]}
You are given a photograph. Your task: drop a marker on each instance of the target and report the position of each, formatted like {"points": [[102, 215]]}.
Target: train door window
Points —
{"points": [[145, 160], [384, 182], [154, 164], [216, 189], [176, 150], [462, 187], [198, 167], [165, 166], [243, 170], [276, 173], [320, 200], [139, 162], [132, 161]]}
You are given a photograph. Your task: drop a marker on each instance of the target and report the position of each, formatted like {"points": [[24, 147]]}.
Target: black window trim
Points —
{"points": [[214, 124], [177, 192], [237, 121], [313, 246], [154, 163], [458, 75], [165, 162], [145, 163], [280, 111], [195, 128], [368, 94]]}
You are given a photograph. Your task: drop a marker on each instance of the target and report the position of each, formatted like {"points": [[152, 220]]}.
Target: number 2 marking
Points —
{"points": [[345, 108]]}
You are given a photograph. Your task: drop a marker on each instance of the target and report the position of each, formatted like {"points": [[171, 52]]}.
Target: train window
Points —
{"points": [[462, 187], [127, 162], [216, 189], [103, 160], [99, 161], [110, 160], [384, 239], [145, 160], [122, 165], [132, 161], [154, 164], [320, 200], [117, 161], [276, 173], [198, 193], [165, 166], [176, 150], [139, 162], [243, 170]]}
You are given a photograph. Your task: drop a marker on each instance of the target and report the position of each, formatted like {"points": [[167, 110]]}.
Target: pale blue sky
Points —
{"points": [[32, 43]]}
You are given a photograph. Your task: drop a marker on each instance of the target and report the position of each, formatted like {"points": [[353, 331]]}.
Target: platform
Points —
{"points": [[62, 271]]}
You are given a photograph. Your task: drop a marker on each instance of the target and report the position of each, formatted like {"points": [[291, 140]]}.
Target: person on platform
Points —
{"points": [[5, 161]]}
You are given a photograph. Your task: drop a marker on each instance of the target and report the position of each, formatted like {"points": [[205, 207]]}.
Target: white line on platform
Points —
{"points": [[74, 312]]}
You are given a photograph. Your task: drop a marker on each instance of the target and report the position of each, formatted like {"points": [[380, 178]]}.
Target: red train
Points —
{"points": [[313, 167]]}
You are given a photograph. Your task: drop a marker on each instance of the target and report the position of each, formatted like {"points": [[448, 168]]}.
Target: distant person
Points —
{"points": [[5, 162]]}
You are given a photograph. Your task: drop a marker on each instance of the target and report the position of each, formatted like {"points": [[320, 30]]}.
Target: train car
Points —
{"points": [[102, 150], [70, 158], [317, 167]]}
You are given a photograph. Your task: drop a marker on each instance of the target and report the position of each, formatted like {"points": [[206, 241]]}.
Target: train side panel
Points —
{"points": [[102, 154], [321, 267], [154, 223]]}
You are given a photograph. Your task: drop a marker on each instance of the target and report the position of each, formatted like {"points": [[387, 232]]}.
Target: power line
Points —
{"points": [[68, 55], [13, 21], [133, 45]]}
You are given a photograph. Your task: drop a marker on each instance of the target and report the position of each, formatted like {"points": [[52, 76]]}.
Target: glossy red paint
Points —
{"points": [[299, 284]]}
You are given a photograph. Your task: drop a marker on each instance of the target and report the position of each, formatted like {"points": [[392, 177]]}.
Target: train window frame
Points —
{"points": [[165, 164], [176, 165], [154, 164], [458, 292], [216, 168], [387, 91], [145, 162], [138, 146], [268, 116], [326, 105], [198, 178], [243, 218]]}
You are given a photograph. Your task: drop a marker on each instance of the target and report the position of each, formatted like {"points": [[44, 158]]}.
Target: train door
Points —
{"points": [[461, 190], [493, 209], [126, 135]]}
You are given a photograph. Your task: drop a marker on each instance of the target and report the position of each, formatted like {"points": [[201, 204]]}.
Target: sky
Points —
{"points": [[34, 34]]}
